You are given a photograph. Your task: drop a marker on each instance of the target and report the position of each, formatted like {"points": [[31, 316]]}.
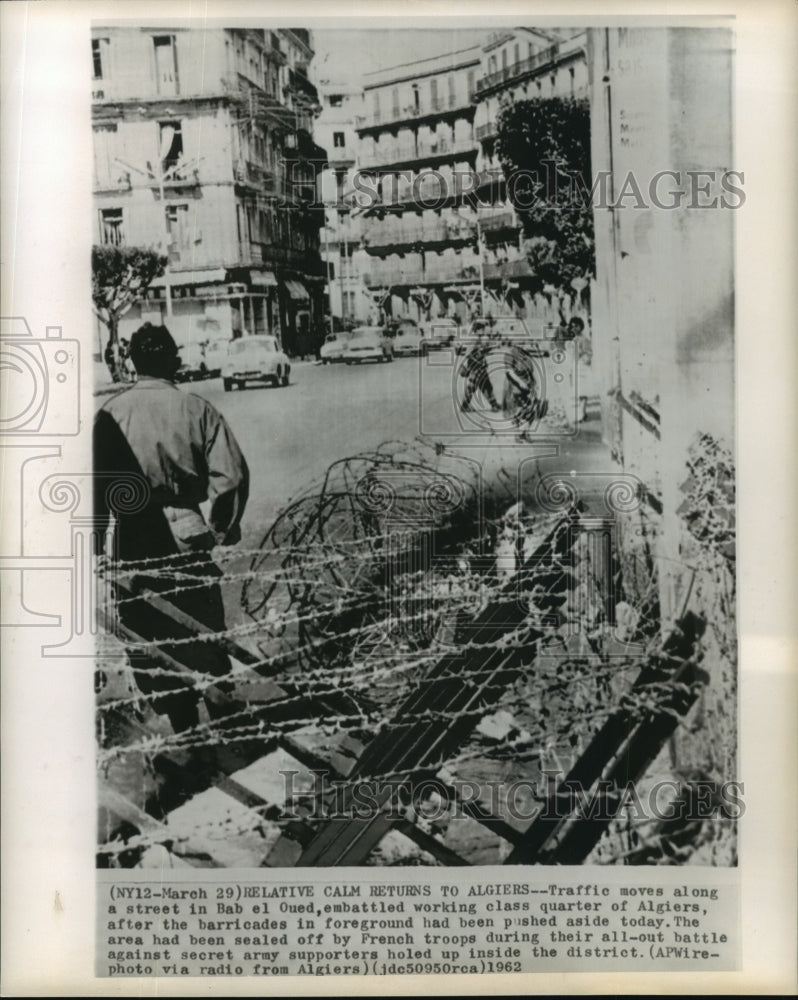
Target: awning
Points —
{"points": [[297, 290], [206, 277], [263, 279]]}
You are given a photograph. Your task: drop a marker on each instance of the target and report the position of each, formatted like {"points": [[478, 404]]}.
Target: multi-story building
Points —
{"points": [[517, 64], [440, 235], [340, 239], [203, 150], [417, 149]]}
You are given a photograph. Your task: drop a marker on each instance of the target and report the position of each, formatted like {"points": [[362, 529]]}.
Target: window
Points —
{"points": [[105, 166], [335, 100], [471, 87], [516, 53], [111, 231], [177, 229], [395, 99], [339, 140], [170, 145], [504, 58], [416, 98], [492, 64], [165, 64], [376, 99], [99, 57], [433, 93], [452, 95]]}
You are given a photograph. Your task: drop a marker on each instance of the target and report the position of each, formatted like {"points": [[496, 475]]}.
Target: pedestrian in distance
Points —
{"points": [[475, 371], [522, 402], [185, 453], [574, 332]]}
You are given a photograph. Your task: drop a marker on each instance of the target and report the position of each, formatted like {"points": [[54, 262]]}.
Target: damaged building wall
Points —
{"points": [[663, 326]]}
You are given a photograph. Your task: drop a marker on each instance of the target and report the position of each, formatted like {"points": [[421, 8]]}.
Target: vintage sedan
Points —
{"points": [[333, 348], [255, 359], [407, 342], [368, 343], [439, 333]]}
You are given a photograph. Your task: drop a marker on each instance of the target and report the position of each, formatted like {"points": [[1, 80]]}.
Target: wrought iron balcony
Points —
{"points": [[518, 69]]}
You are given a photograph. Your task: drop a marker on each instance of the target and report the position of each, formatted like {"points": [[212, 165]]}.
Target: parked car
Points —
{"points": [[333, 347], [407, 342], [439, 333], [215, 356], [192, 363], [368, 343], [395, 327], [255, 359]]}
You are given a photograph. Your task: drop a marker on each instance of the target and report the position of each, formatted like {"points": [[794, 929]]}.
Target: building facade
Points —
{"points": [[342, 104], [517, 64], [417, 148], [663, 335], [439, 235], [203, 149]]}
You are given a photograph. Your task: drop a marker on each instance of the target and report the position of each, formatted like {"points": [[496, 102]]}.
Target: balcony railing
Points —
{"points": [[486, 131], [433, 273], [341, 234], [407, 152], [307, 261], [411, 112], [300, 82], [387, 235], [489, 220], [255, 175], [517, 69], [518, 268]]}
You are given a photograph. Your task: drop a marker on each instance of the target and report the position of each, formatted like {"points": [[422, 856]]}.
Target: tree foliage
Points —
{"points": [[543, 145], [119, 278]]}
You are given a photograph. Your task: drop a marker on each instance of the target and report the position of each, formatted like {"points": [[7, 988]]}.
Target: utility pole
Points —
{"points": [[162, 176]]}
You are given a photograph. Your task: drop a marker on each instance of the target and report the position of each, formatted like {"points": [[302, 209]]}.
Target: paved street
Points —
{"points": [[290, 435]]}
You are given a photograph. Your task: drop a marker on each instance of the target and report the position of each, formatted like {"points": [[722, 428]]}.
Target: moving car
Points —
{"points": [[255, 359], [407, 341], [333, 347], [368, 343], [193, 365], [439, 333]]}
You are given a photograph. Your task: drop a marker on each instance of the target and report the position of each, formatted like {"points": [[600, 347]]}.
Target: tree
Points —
{"points": [[543, 145], [119, 278]]}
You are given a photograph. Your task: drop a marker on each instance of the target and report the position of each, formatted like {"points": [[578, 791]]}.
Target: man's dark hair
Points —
{"points": [[577, 321], [153, 351]]}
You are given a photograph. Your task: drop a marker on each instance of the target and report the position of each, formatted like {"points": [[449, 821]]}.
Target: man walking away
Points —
{"points": [[187, 454]]}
